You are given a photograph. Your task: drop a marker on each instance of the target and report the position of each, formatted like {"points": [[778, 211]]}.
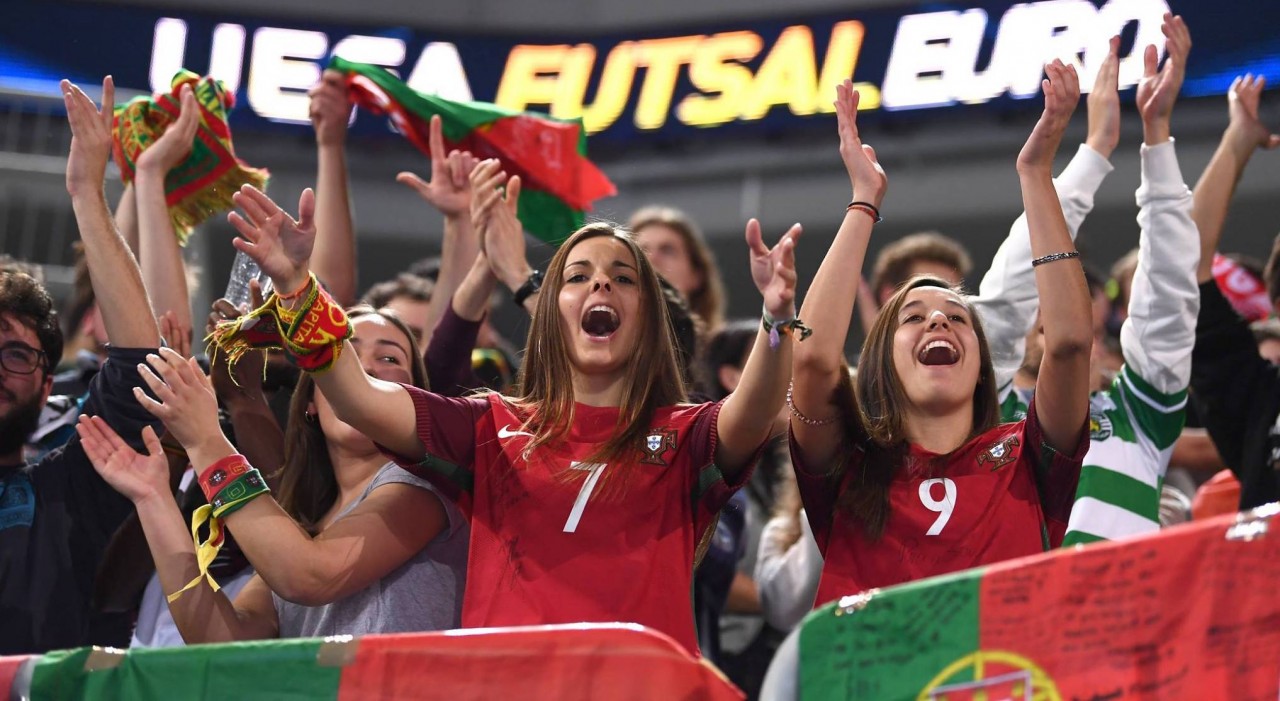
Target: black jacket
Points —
{"points": [[1237, 395], [56, 517]]}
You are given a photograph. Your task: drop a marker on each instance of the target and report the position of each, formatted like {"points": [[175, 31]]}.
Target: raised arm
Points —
{"points": [[201, 614], [122, 299], [828, 305], [450, 193], [343, 559], [1244, 135], [748, 413], [334, 260], [1007, 298], [281, 246], [160, 258], [239, 390], [1062, 390], [1160, 331], [127, 217], [501, 234]]}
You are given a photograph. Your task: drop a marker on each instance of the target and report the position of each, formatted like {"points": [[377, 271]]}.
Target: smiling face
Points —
{"points": [[936, 353], [385, 353], [600, 306]]}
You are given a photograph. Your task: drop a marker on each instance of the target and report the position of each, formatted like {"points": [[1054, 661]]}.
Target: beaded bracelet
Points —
{"points": [[791, 406], [1054, 257]]}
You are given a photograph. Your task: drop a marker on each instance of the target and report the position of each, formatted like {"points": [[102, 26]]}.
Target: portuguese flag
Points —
{"points": [[601, 662], [1188, 613], [558, 183]]}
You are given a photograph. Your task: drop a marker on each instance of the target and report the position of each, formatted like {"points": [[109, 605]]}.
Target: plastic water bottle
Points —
{"points": [[243, 270]]}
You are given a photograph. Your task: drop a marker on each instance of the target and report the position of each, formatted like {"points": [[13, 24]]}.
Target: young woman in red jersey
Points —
{"points": [[904, 471], [590, 490]]}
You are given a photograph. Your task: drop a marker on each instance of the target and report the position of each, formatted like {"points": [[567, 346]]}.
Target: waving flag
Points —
{"points": [[558, 182]]}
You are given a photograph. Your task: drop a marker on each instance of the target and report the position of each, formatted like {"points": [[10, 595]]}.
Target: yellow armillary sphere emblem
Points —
{"points": [[991, 674]]}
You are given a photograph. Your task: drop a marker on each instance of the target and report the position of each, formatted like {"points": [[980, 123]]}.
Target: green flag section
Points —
{"points": [[275, 669], [549, 155], [596, 661], [1188, 613]]}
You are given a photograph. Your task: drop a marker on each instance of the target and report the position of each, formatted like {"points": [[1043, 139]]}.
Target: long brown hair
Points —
{"points": [[544, 389], [880, 431], [308, 486], [708, 300]]}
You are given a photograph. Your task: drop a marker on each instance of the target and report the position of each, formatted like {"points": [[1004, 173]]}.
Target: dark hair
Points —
{"points": [[879, 405], [426, 268], [416, 288], [708, 300], [893, 264], [23, 297], [728, 345], [685, 325], [308, 486]]}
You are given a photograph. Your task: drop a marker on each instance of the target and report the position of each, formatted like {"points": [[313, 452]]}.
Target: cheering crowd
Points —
{"points": [[337, 464]]}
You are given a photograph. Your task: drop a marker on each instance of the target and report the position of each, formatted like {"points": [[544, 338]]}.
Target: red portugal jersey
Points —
{"points": [[1002, 495], [551, 542]]}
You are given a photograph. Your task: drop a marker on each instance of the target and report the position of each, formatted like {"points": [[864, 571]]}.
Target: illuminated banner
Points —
{"points": [[752, 75]]}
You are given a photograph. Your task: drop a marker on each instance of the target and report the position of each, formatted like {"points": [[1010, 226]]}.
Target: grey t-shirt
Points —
{"points": [[423, 594]]}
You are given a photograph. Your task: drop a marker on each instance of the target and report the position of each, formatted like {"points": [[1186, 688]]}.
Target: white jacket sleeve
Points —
{"points": [[1164, 300], [1007, 298], [787, 579]]}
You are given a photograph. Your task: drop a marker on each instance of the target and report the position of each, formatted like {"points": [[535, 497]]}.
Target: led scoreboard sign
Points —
{"points": [[774, 74]]}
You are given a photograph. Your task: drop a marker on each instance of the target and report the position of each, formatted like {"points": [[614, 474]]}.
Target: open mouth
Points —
{"points": [[939, 352], [600, 321]]}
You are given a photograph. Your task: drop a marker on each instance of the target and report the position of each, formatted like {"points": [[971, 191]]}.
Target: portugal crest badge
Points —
{"points": [[1000, 454], [655, 444]]}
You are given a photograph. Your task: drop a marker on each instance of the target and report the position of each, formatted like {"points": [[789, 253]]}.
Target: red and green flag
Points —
{"points": [[1188, 613], [602, 662], [558, 183]]}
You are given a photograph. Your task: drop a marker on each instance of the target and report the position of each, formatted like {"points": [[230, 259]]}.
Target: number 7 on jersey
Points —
{"points": [[584, 494]]}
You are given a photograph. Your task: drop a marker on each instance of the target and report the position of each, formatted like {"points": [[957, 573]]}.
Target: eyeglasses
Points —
{"points": [[20, 358]]}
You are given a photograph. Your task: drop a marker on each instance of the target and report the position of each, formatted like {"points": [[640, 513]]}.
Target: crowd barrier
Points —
{"points": [[1191, 612], [612, 662]]}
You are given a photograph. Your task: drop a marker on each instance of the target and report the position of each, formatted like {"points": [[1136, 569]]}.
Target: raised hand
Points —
{"points": [[1104, 104], [866, 177], [773, 270], [450, 188], [244, 381], [187, 406], [172, 147], [501, 234], [1158, 90], [330, 109], [1246, 126], [90, 137], [175, 333], [1061, 90], [278, 243], [133, 474]]}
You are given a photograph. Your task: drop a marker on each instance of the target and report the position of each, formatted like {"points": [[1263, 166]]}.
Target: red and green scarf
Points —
{"points": [[201, 185]]}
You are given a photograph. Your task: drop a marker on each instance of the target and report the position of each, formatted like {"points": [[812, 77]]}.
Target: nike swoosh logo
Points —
{"points": [[505, 432]]}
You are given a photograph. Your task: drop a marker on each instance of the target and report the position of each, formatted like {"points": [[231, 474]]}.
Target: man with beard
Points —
{"points": [[56, 515]]}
